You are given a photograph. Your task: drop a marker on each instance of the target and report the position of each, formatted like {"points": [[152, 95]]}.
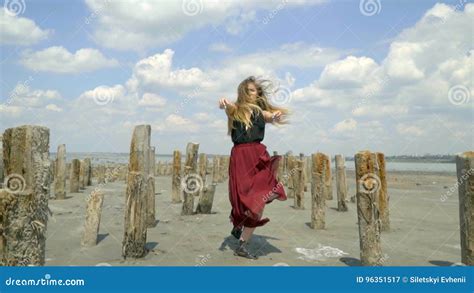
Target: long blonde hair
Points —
{"points": [[244, 104]]}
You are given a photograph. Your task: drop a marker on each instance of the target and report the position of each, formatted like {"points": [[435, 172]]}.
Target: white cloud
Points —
{"points": [[347, 125], [136, 25], [177, 123], [349, 72], [152, 100], [423, 62], [59, 60], [410, 130], [23, 96], [53, 107], [157, 70], [220, 47], [15, 30]]}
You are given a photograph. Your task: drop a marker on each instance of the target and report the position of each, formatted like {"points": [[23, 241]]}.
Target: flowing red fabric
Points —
{"points": [[252, 183]]}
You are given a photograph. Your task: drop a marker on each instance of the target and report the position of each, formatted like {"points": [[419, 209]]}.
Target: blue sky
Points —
{"points": [[397, 79]]}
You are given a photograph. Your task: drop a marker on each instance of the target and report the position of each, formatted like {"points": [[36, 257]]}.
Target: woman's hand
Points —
{"points": [[276, 115], [271, 117], [223, 103], [228, 106]]}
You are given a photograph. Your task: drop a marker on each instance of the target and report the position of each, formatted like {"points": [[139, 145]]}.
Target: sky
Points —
{"points": [[388, 76]]}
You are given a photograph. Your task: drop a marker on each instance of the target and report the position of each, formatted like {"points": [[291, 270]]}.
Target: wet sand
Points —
{"points": [[424, 216]]}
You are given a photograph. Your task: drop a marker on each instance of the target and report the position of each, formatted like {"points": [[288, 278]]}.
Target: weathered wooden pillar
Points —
{"points": [[206, 199], [150, 205], [368, 186], [60, 170], [101, 174], [202, 169], [176, 178], [215, 169], [135, 230], [24, 199], [223, 170], [88, 172], [291, 175], [92, 223], [341, 183], [190, 183], [383, 199], [158, 168], [82, 174], [328, 179], [299, 184], [318, 191], [226, 167], [465, 183], [305, 175], [74, 177]]}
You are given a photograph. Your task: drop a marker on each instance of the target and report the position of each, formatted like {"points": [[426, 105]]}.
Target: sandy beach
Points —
{"points": [[424, 216]]}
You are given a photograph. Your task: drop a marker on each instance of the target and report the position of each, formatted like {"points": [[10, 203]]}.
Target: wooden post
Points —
{"points": [[176, 178], [299, 185], [328, 178], [383, 199], [318, 191], [88, 172], [82, 174], [291, 176], [135, 232], [60, 170], [223, 170], [341, 183], [74, 176], [305, 175], [101, 174], [368, 186], [150, 205], [205, 201], [191, 182], [465, 182], [24, 199], [92, 223], [215, 169], [202, 170]]}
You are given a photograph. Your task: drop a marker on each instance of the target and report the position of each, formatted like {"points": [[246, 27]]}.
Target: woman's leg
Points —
{"points": [[248, 231]]}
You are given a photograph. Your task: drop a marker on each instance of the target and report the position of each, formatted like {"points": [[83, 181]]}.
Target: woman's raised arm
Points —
{"points": [[228, 106]]}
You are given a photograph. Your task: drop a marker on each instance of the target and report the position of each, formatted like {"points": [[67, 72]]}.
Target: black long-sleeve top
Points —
{"points": [[254, 133]]}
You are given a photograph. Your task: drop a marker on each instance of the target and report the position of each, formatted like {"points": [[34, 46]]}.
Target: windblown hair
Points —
{"points": [[244, 104]]}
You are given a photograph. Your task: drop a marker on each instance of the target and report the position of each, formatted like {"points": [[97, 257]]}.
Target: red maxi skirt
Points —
{"points": [[252, 183]]}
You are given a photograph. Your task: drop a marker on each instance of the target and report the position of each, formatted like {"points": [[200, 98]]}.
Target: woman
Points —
{"points": [[252, 172]]}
